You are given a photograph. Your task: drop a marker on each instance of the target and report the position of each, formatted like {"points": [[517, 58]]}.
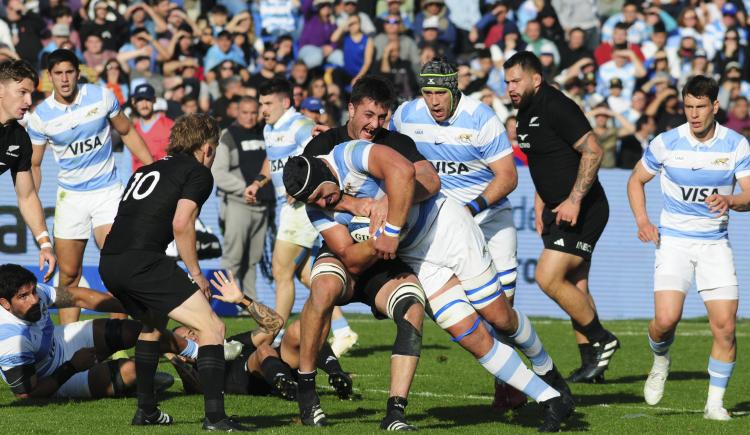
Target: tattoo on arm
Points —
{"points": [[588, 167], [64, 299], [270, 321]]}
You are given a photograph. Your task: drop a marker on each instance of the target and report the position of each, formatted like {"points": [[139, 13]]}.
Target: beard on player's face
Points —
{"points": [[33, 314]]}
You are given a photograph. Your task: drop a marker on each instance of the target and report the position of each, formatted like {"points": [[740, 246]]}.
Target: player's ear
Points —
{"points": [[716, 106], [351, 110], [5, 304], [536, 79]]}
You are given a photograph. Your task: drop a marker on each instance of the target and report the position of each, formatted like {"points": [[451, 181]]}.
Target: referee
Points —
{"points": [[571, 207]]}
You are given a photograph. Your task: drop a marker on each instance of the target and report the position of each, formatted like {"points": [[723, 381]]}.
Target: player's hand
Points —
{"points": [[647, 232], [84, 359], [378, 213], [718, 204], [319, 128], [202, 285], [47, 256], [567, 211], [250, 193], [386, 246], [228, 288]]}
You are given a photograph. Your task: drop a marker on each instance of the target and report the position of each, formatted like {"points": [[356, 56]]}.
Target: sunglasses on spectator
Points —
{"points": [[269, 58], [393, 21]]}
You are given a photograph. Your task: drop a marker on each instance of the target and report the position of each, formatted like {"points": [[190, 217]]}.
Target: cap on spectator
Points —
{"points": [[615, 83], [729, 9], [733, 65], [144, 91], [433, 2], [589, 78], [60, 30], [322, 2], [700, 53], [432, 22], [312, 104]]}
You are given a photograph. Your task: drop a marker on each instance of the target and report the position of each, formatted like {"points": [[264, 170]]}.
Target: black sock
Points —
{"points": [[396, 403], [271, 367], [211, 372], [327, 360], [306, 395], [594, 331], [146, 361]]}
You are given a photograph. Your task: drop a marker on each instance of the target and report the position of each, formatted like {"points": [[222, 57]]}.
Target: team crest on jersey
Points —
{"points": [[721, 162], [465, 137], [348, 189], [92, 112]]}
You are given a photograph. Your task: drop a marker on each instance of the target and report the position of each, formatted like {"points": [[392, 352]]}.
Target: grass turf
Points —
{"points": [[450, 392]]}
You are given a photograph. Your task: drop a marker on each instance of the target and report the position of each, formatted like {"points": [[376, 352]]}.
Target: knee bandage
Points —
{"points": [[331, 269], [450, 307], [508, 281], [483, 289], [408, 337], [118, 384], [113, 334]]}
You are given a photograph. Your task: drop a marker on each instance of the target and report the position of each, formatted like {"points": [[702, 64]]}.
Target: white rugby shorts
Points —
{"points": [[500, 233], [294, 226], [71, 338], [77, 212], [710, 263]]}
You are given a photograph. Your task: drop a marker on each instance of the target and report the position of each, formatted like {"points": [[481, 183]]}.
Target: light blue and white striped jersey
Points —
{"points": [[460, 148], [23, 342], [286, 138], [608, 71], [349, 161], [79, 136], [691, 171]]}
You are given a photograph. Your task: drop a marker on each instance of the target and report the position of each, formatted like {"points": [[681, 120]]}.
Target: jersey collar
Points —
{"points": [[80, 92], [719, 133], [284, 118]]}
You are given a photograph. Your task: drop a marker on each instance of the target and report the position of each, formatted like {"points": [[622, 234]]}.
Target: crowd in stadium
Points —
{"points": [[376, 142]]}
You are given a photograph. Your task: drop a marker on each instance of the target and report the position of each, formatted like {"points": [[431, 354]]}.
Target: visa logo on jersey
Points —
{"points": [[277, 165], [84, 146], [697, 194], [450, 168]]}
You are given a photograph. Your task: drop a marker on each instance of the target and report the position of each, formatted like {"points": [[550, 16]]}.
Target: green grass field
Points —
{"points": [[451, 391]]}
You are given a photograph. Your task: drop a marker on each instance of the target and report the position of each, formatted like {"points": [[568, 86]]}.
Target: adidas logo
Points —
{"points": [[560, 242], [330, 358]]}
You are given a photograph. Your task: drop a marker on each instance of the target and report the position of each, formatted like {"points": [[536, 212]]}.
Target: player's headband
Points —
{"points": [[303, 175]]}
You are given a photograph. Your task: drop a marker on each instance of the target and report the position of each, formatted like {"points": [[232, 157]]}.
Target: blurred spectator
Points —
{"points": [[312, 108], [624, 65], [27, 30], [605, 133], [575, 49], [536, 44], [94, 54], [493, 31], [114, 78], [189, 104], [488, 73], [392, 30], [267, 71], [732, 85], [665, 107], [399, 71], [579, 14], [438, 13], [606, 49], [637, 30], [142, 44], [238, 162], [393, 8], [731, 51], [551, 28], [64, 15], [633, 145], [715, 30], [277, 17], [315, 41], [357, 48], [230, 87], [142, 15], [223, 49], [300, 74], [112, 31], [429, 38], [738, 118], [143, 73], [518, 155], [153, 127], [298, 94], [60, 35], [349, 9], [488, 97]]}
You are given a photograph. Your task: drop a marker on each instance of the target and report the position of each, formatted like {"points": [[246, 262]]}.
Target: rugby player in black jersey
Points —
{"points": [[571, 207], [161, 202]]}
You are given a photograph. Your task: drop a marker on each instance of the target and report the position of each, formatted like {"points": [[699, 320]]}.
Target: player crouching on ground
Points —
{"points": [[39, 359], [261, 369]]}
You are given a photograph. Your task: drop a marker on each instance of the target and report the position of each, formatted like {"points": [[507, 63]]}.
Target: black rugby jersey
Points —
{"points": [[547, 129], [147, 208], [324, 143], [15, 149]]}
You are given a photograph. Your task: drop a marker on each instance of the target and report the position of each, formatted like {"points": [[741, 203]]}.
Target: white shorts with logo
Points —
{"points": [[454, 245], [500, 233], [71, 338], [710, 263], [77, 212], [295, 227]]}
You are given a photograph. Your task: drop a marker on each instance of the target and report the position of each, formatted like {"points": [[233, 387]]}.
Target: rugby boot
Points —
{"points": [[157, 418], [396, 420], [653, 389], [342, 384], [313, 416], [226, 424], [554, 379], [191, 382], [285, 387], [587, 359], [556, 411], [507, 397], [343, 343], [717, 413], [603, 352]]}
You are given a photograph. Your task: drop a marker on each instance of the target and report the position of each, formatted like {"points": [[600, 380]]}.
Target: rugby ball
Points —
{"points": [[359, 228]]}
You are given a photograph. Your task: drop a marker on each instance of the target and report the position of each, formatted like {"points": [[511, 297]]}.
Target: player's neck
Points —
{"points": [[6, 118], [706, 135], [69, 100]]}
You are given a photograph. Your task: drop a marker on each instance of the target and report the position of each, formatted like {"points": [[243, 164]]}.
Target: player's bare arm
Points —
{"points": [[647, 232], [504, 181], [591, 159], [721, 204], [86, 298], [183, 226], [37, 155], [264, 177], [131, 138], [269, 321], [357, 257], [33, 214]]}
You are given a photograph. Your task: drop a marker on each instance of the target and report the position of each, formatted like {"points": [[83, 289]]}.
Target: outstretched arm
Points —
{"points": [[82, 297]]}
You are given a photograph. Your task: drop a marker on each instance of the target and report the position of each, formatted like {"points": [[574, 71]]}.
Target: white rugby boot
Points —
{"points": [[653, 390]]}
